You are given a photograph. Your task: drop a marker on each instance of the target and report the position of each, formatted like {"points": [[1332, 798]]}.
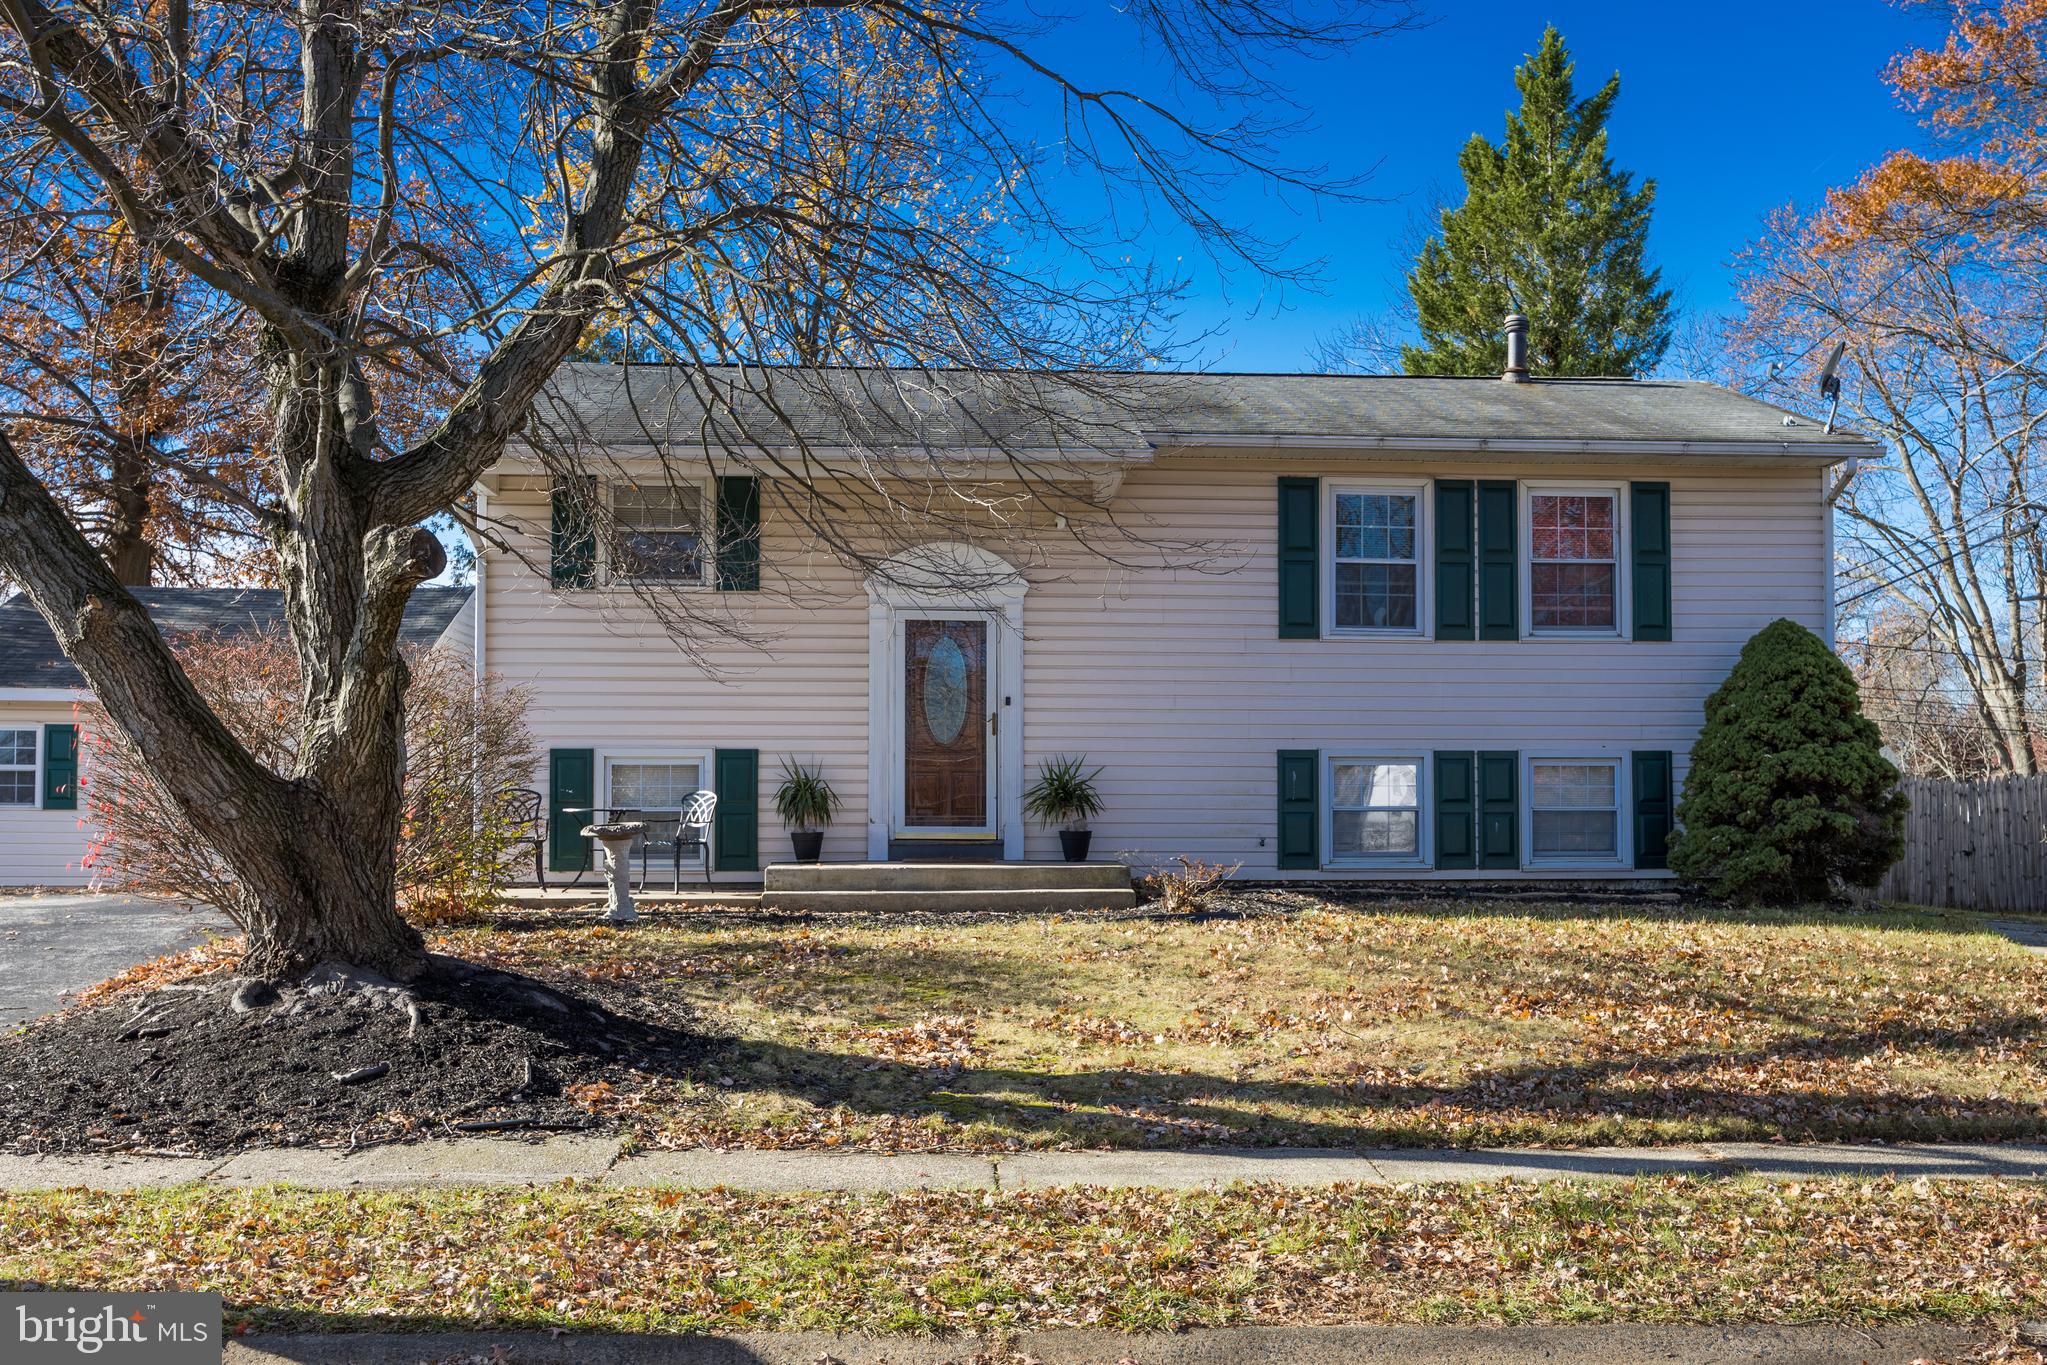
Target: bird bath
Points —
{"points": [[617, 838]]}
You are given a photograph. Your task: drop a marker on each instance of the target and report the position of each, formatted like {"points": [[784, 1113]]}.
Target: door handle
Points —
{"points": [[994, 722]]}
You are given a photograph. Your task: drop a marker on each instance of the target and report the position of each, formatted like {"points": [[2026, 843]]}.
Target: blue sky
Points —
{"points": [[1733, 108]]}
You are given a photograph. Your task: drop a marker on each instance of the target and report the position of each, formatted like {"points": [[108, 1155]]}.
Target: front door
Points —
{"points": [[947, 778]]}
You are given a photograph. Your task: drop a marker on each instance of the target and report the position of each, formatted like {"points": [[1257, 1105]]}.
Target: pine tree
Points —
{"points": [[1550, 229], [1789, 794]]}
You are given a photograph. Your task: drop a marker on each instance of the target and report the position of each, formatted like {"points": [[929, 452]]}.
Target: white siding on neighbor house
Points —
{"points": [[1172, 679], [42, 847]]}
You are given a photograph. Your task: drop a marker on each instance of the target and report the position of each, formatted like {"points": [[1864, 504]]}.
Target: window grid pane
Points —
{"points": [[17, 787], [1375, 561], [1374, 809], [1576, 814], [652, 786], [660, 532], [17, 748], [1572, 558]]}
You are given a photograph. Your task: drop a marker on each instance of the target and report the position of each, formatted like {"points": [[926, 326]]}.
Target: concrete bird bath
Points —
{"points": [[617, 838]]}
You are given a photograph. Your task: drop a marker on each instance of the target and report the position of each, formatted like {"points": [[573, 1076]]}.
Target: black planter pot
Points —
{"points": [[809, 844], [1073, 843]]}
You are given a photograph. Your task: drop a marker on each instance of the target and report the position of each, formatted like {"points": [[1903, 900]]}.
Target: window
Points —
{"points": [[17, 767], [1376, 561], [650, 785], [1576, 812], [660, 532], [1374, 809], [1573, 557]]}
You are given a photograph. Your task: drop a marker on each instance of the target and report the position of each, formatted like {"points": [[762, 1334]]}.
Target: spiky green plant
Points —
{"points": [[1064, 793], [805, 800]]}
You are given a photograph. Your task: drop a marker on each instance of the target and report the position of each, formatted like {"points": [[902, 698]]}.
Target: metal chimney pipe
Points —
{"points": [[1517, 349]]}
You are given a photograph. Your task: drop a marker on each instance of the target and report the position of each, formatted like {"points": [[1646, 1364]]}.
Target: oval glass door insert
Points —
{"points": [[945, 690]]}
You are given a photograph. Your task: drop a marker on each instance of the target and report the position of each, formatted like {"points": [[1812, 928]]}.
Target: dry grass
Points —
{"points": [[1313, 1023]]}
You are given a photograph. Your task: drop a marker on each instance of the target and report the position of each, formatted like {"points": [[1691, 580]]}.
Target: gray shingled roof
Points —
{"points": [[29, 656], [628, 405]]}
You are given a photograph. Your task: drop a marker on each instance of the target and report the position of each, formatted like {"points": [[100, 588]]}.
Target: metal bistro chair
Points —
{"points": [[681, 834], [522, 809]]}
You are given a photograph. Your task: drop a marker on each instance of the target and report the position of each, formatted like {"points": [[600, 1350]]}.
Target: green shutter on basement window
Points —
{"points": [[1655, 807], [1499, 579], [572, 534], [1455, 809], [1454, 560], [571, 781], [1649, 526], [1499, 813], [1300, 820], [60, 767], [739, 533], [735, 837], [1300, 584]]}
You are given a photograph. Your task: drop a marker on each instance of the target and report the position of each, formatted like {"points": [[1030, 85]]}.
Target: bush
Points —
{"points": [[1789, 796], [464, 745], [1184, 890]]}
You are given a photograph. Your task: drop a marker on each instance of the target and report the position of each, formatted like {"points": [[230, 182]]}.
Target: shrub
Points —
{"points": [[1789, 796], [464, 745], [1184, 890]]}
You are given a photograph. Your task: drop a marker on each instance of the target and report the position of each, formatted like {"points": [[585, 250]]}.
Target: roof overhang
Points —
{"points": [[1508, 448], [1089, 465], [44, 694]]}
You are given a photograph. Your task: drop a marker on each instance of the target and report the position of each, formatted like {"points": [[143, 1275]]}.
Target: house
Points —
{"points": [[44, 830], [1441, 627]]}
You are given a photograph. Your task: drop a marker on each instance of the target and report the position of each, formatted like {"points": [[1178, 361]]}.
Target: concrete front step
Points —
{"points": [[1046, 900], [1098, 876]]}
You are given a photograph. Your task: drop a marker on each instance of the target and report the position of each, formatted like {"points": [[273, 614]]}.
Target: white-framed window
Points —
{"points": [[1574, 534], [18, 767], [1377, 537], [1375, 810], [1574, 810], [661, 783], [663, 532]]}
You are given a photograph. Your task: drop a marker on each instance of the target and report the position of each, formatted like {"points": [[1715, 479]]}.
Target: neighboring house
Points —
{"points": [[44, 833], [1462, 628]]}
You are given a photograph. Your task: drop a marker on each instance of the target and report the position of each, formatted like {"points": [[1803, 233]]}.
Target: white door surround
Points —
{"points": [[944, 579]]}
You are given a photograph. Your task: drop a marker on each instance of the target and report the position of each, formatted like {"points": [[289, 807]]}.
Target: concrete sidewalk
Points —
{"points": [[492, 1161], [1804, 1344]]}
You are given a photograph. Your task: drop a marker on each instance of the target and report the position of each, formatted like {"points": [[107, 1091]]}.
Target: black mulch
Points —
{"points": [[496, 1052]]}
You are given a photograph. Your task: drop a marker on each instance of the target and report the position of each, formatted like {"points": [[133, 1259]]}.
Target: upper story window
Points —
{"points": [[661, 532], [17, 767], [1374, 809], [1574, 560], [1376, 560], [1574, 809]]}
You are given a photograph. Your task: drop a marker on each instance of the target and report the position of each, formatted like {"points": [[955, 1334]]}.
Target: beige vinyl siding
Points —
{"points": [[1172, 678], [42, 847]]}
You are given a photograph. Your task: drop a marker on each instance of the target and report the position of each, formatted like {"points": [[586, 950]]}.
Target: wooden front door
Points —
{"points": [[945, 725]]}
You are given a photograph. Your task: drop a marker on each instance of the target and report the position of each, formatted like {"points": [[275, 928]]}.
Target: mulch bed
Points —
{"points": [[492, 1052]]}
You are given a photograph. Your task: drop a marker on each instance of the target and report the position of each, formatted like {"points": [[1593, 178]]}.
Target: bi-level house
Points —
{"points": [[1444, 628]]}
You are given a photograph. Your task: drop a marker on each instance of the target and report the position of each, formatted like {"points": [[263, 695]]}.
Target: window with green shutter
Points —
{"points": [[1649, 581], [1300, 819], [1499, 810], [1455, 563], [572, 537], [739, 533], [735, 835], [1499, 574], [1300, 581], [1655, 807], [571, 782], [1456, 809], [60, 767]]}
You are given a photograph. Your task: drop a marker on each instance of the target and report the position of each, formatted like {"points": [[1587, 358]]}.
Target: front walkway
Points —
{"points": [[486, 1161]]}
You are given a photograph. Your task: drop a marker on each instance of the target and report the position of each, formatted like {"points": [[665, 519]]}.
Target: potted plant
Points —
{"points": [[806, 803], [1065, 795]]}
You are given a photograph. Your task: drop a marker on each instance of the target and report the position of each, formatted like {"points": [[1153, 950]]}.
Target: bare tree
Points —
{"points": [[463, 191]]}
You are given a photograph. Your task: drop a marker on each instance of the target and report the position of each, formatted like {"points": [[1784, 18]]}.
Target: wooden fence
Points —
{"points": [[1974, 845]]}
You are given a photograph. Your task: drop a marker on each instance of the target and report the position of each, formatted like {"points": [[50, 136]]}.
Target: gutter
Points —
{"points": [[1205, 443]]}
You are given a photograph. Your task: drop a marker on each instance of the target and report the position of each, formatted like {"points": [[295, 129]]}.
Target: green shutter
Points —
{"points": [[1498, 573], [573, 534], [1454, 590], [571, 781], [1455, 810], [1300, 822], [1655, 802], [1300, 585], [739, 534], [1649, 526], [735, 842], [1499, 814], [60, 767]]}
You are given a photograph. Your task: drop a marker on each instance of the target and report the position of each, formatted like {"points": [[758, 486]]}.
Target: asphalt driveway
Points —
{"points": [[55, 942]]}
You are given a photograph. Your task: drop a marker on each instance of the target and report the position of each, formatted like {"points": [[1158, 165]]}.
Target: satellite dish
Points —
{"points": [[1830, 382]]}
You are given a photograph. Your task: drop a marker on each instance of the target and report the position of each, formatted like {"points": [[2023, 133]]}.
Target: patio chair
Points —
{"points": [[523, 811], [684, 834]]}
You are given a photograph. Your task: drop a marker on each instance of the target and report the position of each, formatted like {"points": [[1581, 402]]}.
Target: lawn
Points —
{"points": [[648, 1260], [1298, 1019]]}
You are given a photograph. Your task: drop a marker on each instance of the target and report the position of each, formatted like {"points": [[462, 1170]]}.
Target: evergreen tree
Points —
{"points": [[1789, 793], [1548, 228]]}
